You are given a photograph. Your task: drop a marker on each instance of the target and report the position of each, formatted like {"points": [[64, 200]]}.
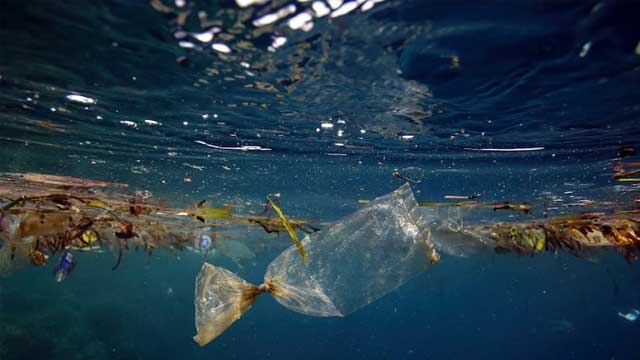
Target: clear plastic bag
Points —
{"points": [[451, 236], [359, 259]]}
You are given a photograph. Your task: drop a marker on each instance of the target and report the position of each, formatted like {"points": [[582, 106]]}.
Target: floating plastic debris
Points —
{"points": [[65, 266], [351, 264]]}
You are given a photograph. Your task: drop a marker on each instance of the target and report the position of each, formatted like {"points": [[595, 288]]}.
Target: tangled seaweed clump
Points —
{"points": [[43, 215], [579, 234]]}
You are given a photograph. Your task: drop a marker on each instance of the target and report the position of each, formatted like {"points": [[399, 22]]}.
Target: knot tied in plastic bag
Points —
{"points": [[359, 259]]}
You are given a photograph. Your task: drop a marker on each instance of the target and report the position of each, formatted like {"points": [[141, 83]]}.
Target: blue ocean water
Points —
{"points": [[513, 101]]}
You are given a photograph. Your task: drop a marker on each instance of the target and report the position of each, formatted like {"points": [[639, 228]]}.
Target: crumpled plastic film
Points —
{"points": [[359, 259], [221, 298], [449, 235]]}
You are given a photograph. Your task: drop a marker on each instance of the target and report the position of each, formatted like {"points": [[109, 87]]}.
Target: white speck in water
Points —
{"points": [[185, 123], [585, 49], [204, 37], [128, 123], [278, 41], [186, 45], [81, 99], [151, 122], [240, 148], [340, 133], [345, 9], [245, 3], [320, 8], [335, 3], [367, 5], [326, 125], [220, 47], [298, 21]]}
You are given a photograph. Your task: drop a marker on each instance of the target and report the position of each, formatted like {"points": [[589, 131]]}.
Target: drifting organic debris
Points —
{"points": [[287, 225], [397, 174], [580, 234], [45, 215], [621, 170], [523, 207]]}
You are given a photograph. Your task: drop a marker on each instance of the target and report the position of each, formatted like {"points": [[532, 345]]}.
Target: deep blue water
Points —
{"points": [[418, 86]]}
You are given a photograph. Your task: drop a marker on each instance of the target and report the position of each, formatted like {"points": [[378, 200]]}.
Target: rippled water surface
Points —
{"points": [[322, 101]]}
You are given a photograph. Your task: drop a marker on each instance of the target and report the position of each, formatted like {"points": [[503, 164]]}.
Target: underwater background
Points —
{"points": [[510, 100]]}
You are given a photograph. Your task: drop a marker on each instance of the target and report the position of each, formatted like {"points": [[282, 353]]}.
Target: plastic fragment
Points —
{"points": [[359, 259]]}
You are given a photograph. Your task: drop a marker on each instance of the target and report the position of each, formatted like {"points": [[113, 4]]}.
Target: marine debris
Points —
{"points": [[287, 225], [45, 215], [397, 174], [333, 271], [578, 234], [357, 260], [471, 202]]}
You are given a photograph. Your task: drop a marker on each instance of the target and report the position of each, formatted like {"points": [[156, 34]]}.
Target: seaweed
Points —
{"points": [[289, 228]]}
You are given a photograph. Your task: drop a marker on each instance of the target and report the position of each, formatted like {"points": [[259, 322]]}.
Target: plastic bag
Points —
{"points": [[359, 259]]}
